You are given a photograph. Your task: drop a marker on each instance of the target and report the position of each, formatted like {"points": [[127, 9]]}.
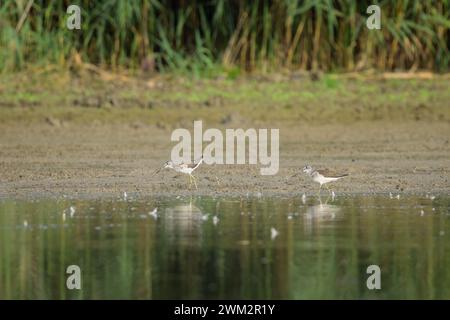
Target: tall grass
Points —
{"points": [[201, 36]]}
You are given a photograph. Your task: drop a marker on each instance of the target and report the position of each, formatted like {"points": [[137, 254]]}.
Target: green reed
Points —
{"points": [[206, 37]]}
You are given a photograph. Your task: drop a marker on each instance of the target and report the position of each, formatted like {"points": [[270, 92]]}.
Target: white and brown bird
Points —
{"points": [[186, 168], [322, 176]]}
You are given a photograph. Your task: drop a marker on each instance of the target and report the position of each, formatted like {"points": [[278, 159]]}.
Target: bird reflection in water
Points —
{"points": [[319, 214], [183, 220]]}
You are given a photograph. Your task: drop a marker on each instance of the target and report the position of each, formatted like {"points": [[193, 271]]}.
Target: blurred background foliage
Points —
{"points": [[232, 36]]}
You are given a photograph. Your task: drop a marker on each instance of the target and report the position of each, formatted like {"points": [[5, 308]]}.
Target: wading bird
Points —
{"points": [[183, 168], [322, 176]]}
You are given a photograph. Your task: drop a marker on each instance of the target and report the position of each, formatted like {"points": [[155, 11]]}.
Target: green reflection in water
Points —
{"points": [[322, 249]]}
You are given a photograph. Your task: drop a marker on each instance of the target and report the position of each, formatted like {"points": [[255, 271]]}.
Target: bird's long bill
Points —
{"points": [[156, 171]]}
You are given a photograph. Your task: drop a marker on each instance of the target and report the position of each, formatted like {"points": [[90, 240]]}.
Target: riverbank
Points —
{"points": [[97, 139], [107, 160]]}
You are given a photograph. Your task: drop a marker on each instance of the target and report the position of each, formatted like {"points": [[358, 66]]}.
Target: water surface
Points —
{"points": [[226, 248]]}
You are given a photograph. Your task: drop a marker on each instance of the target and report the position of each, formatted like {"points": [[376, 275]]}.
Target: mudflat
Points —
{"points": [[97, 161], [83, 137]]}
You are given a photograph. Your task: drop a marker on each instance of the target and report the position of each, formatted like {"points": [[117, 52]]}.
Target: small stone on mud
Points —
{"points": [[53, 122]]}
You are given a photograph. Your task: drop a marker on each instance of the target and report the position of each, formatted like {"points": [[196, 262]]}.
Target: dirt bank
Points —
{"points": [[102, 161]]}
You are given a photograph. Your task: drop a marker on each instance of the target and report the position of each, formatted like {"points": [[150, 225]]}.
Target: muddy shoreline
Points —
{"points": [[103, 161]]}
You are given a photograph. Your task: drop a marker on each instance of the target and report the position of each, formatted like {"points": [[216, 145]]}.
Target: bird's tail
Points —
{"points": [[198, 163]]}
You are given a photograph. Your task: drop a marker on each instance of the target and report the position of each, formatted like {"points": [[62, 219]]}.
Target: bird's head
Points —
{"points": [[307, 169], [168, 164]]}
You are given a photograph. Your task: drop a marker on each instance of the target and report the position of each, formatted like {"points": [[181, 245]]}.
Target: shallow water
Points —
{"points": [[202, 247]]}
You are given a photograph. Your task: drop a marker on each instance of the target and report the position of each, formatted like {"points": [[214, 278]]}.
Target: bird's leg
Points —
{"points": [[190, 181], [194, 179], [320, 199], [328, 188], [320, 188]]}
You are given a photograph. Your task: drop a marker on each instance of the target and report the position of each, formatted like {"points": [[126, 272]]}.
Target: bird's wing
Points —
{"points": [[193, 165], [331, 174]]}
